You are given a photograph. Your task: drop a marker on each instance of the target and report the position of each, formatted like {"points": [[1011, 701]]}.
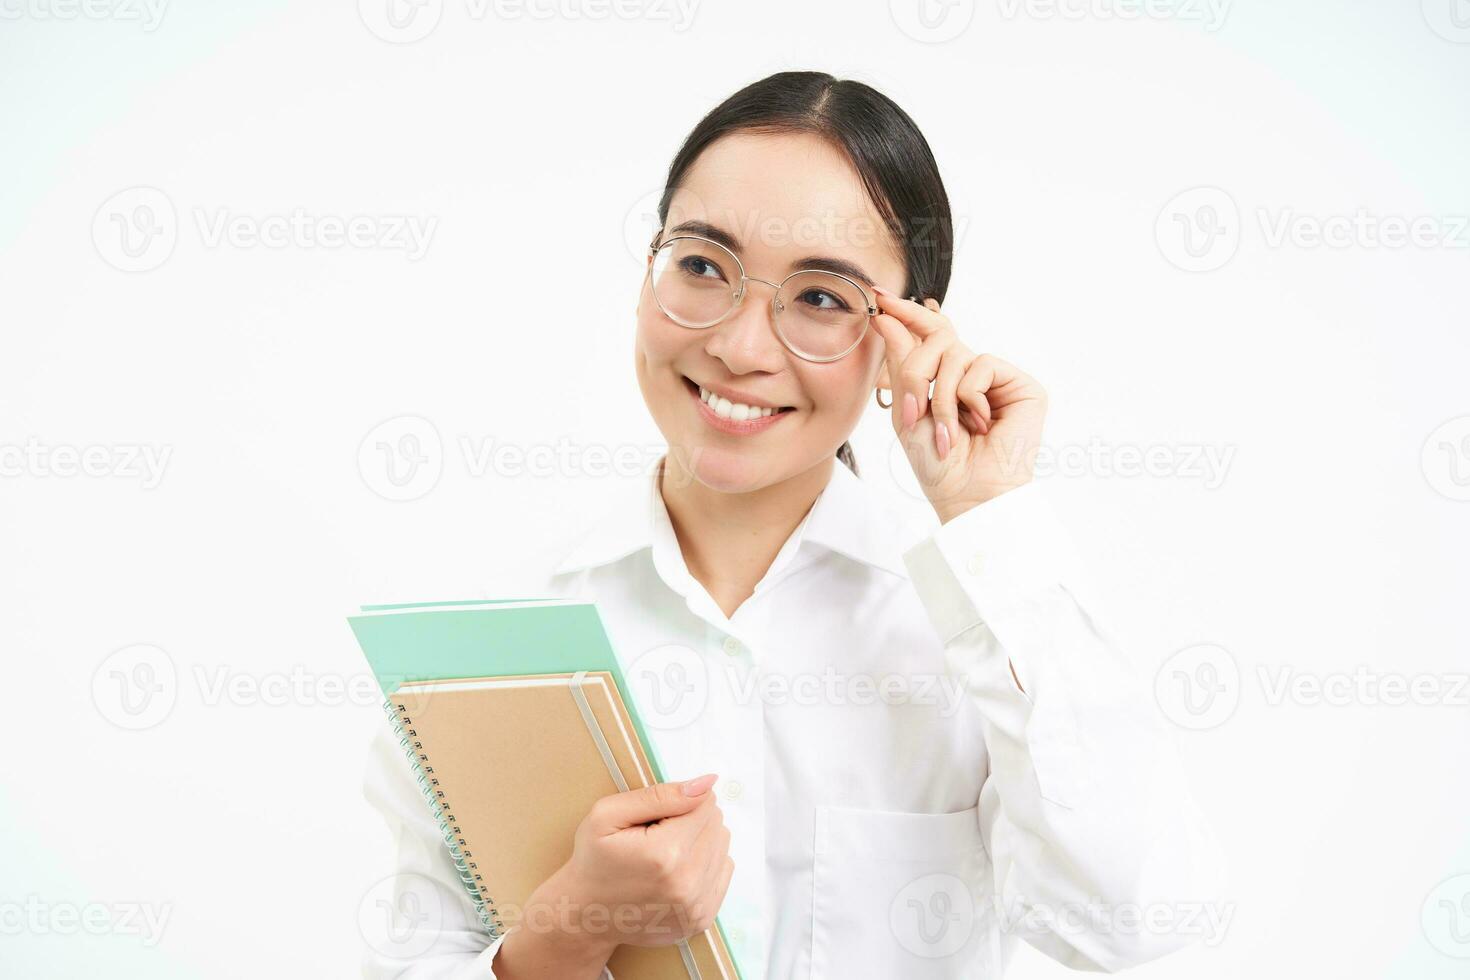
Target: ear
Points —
{"points": [[882, 380]]}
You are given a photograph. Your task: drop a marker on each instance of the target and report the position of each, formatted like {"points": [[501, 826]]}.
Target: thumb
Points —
{"points": [[651, 803]]}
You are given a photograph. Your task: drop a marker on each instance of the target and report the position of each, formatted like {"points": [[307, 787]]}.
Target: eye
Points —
{"points": [[699, 267], [821, 299]]}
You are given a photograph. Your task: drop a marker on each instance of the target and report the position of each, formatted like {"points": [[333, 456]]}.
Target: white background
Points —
{"points": [[1331, 542]]}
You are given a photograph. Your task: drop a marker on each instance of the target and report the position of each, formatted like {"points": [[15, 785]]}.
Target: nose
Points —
{"points": [[746, 340]]}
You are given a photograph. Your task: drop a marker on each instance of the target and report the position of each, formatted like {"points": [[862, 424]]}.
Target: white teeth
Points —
{"points": [[733, 410]]}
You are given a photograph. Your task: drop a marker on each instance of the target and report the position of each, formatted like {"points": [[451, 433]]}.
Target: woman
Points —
{"points": [[925, 745]]}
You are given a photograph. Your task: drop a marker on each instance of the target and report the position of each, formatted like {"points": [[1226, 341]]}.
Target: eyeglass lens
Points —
{"points": [[818, 314]]}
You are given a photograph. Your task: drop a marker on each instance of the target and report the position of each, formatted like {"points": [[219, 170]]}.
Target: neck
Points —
{"points": [[729, 540]]}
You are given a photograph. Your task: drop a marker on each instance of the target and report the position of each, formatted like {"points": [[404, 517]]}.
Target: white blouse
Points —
{"points": [[898, 807]]}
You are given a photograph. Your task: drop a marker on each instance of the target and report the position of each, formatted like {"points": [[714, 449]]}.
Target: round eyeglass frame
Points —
{"points": [[739, 297]]}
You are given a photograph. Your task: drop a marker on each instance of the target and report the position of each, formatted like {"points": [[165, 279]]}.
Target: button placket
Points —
{"points": [[739, 789]]}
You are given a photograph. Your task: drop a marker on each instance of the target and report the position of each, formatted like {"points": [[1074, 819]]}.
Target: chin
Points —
{"points": [[724, 470]]}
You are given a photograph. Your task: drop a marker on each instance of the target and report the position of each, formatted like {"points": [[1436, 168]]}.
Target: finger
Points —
{"points": [[992, 384], [689, 826], [1012, 386], [952, 367], [973, 386], [650, 804], [916, 316], [919, 368], [720, 886]]}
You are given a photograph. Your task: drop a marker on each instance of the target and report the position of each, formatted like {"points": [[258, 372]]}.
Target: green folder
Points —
{"points": [[436, 641]]}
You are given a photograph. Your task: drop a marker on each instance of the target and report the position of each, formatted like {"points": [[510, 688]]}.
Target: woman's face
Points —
{"points": [[784, 200]]}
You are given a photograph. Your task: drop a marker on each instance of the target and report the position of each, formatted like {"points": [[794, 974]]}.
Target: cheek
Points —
{"points": [[659, 339], [840, 390], [859, 370]]}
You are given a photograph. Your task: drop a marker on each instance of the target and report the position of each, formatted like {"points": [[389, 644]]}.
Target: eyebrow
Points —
{"points": [[824, 263]]}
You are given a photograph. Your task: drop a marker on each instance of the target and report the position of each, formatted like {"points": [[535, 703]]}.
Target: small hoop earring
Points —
{"points": [[878, 397]]}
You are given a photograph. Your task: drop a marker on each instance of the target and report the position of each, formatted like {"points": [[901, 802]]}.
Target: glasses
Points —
{"points": [[819, 316]]}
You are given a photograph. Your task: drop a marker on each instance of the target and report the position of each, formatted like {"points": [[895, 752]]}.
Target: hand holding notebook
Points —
{"points": [[660, 854], [519, 726]]}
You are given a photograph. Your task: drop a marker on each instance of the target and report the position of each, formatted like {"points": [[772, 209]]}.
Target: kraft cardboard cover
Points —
{"points": [[514, 767]]}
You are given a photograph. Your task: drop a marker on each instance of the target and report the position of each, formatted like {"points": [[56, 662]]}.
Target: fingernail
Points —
{"points": [[910, 409], [879, 289], [941, 439], [700, 786]]}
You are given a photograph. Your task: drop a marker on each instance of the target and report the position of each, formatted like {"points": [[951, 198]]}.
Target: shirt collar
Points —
{"points": [[846, 518]]}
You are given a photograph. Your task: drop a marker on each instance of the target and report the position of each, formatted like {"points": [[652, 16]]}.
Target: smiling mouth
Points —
{"points": [[734, 411]]}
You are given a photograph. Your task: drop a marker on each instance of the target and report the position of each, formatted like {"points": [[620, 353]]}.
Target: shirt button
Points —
{"points": [[977, 564], [733, 789], [733, 647]]}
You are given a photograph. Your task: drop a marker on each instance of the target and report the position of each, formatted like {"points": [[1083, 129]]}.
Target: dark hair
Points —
{"points": [[882, 142]]}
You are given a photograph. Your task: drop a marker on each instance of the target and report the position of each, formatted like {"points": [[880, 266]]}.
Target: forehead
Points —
{"points": [[781, 193]]}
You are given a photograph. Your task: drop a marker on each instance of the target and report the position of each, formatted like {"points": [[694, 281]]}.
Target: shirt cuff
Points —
{"points": [[990, 559]]}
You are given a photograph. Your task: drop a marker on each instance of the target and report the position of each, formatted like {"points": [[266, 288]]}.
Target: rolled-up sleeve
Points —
{"points": [[1102, 860]]}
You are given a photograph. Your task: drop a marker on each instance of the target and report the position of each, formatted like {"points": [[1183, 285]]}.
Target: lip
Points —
{"points": [[733, 395], [748, 427]]}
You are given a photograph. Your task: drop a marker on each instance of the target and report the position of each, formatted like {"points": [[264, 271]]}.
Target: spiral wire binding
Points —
{"points": [[464, 861]]}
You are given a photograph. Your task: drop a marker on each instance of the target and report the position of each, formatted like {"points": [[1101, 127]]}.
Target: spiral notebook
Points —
{"points": [[515, 718]]}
